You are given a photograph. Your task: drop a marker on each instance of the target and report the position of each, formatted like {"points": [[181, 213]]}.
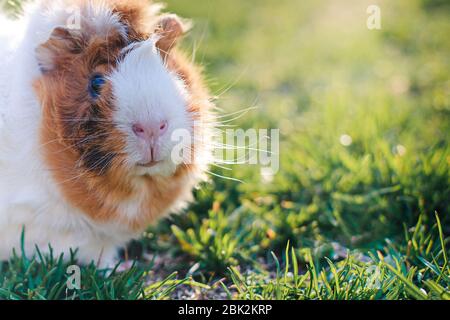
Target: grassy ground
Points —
{"points": [[360, 207]]}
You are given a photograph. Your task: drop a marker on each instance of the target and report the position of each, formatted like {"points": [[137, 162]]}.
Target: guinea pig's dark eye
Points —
{"points": [[95, 85]]}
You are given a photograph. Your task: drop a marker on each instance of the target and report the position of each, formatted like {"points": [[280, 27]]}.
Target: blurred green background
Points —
{"points": [[363, 114]]}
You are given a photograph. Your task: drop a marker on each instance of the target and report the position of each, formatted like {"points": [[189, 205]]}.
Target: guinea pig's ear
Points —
{"points": [[62, 42], [170, 29]]}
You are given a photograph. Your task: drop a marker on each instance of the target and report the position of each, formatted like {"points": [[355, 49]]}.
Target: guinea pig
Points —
{"points": [[92, 94]]}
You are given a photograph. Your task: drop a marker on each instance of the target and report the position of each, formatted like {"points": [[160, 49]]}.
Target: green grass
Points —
{"points": [[369, 220]]}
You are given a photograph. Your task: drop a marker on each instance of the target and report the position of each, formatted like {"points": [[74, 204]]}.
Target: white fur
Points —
{"points": [[145, 91], [29, 198]]}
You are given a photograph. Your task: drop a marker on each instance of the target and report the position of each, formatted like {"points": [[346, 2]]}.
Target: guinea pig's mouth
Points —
{"points": [[149, 164], [162, 168]]}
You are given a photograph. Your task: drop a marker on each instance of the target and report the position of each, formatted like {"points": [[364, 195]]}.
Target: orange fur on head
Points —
{"points": [[81, 145]]}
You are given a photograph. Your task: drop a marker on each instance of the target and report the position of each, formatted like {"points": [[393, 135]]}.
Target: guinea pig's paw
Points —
{"points": [[125, 266], [170, 29], [109, 264]]}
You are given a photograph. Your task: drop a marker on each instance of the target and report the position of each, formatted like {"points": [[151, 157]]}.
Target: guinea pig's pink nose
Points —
{"points": [[150, 131]]}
